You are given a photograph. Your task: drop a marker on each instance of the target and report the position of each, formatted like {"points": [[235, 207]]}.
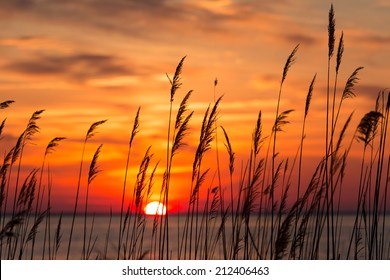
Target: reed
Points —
{"points": [[26, 136], [231, 154], [40, 195], [93, 171], [179, 131], [198, 177], [135, 247], [134, 132], [331, 42], [307, 106], [279, 121], [90, 133], [58, 237]]}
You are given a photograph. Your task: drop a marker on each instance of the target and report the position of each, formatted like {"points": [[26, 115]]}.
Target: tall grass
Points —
{"points": [[90, 133], [132, 136], [40, 198], [248, 214]]}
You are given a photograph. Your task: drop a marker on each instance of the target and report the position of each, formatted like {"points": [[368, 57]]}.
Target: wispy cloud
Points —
{"points": [[372, 40], [78, 67], [31, 43], [147, 19]]}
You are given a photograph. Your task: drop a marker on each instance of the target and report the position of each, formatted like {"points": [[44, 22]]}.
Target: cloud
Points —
{"points": [[382, 4], [301, 38], [145, 19], [34, 43], [374, 40], [370, 91], [265, 82], [366, 37], [77, 67], [127, 17]]}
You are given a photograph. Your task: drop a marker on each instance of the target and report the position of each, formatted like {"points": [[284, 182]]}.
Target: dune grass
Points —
{"points": [[252, 218]]}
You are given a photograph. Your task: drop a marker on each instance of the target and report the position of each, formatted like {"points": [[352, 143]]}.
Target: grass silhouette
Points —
{"points": [[252, 221]]}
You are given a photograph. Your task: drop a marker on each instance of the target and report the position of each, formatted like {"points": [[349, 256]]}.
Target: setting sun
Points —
{"points": [[155, 208]]}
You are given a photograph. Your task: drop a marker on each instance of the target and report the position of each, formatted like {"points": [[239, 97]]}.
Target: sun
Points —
{"points": [[155, 208]]}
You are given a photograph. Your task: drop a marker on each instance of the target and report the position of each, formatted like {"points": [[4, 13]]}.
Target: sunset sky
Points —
{"points": [[89, 60]]}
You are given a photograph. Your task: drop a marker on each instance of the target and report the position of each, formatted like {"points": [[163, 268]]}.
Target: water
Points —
{"points": [[104, 239]]}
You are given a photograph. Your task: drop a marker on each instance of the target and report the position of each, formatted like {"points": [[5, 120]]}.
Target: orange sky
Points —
{"points": [[89, 60]]}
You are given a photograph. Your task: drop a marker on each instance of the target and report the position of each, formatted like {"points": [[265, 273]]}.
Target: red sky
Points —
{"points": [[88, 60]]}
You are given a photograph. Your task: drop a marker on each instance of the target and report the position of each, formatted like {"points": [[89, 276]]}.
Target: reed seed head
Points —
{"points": [[340, 52], [93, 168], [331, 31], [290, 61], [92, 130], [309, 95]]}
